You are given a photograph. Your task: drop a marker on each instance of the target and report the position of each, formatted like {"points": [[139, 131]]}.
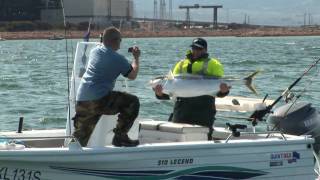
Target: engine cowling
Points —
{"points": [[297, 119]]}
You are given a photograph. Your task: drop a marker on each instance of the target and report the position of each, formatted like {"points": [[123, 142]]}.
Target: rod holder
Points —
{"points": [[20, 125]]}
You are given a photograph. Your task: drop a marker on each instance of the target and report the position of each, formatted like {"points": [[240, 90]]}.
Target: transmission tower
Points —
{"points": [[109, 9], [155, 9], [170, 9], [162, 9], [128, 10]]}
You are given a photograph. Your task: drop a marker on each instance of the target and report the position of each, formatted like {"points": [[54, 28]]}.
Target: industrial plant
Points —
{"points": [[102, 12], [163, 18]]}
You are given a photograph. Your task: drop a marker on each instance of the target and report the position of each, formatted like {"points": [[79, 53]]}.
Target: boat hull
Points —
{"points": [[238, 159]]}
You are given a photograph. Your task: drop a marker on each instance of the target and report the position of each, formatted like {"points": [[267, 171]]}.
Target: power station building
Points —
{"points": [[101, 11], [76, 11], [20, 10]]}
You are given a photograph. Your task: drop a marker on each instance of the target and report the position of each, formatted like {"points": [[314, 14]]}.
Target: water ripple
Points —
{"points": [[33, 80]]}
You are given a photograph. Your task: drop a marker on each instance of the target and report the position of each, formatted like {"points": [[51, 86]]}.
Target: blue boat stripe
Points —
{"points": [[208, 177], [200, 173], [84, 173], [121, 173], [228, 173], [90, 173]]}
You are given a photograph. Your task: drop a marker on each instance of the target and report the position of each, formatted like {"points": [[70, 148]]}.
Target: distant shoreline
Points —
{"points": [[142, 33]]}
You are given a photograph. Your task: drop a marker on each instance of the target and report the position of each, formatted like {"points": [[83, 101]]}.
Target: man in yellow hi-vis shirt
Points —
{"points": [[198, 110]]}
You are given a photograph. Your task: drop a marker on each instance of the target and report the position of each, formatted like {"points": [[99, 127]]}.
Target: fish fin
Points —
{"points": [[249, 79]]}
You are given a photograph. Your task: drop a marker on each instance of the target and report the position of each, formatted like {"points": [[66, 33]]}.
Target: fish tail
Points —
{"points": [[249, 81], [170, 75]]}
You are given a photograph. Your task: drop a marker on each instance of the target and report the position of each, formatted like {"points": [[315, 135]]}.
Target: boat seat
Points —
{"points": [[102, 134], [12, 146], [161, 131]]}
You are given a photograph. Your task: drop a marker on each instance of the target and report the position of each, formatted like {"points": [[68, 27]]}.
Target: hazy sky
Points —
{"points": [[269, 12]]}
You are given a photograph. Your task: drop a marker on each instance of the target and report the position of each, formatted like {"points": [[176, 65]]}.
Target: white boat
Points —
{"points": [[251, 156], [166, 151]]}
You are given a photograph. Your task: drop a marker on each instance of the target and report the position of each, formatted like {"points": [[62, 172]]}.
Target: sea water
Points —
{"points": [[33, 78]]}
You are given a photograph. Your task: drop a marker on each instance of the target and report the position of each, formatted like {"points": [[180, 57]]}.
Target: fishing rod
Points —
{"points": [[259, 114], [84, 56], [66, 48]]}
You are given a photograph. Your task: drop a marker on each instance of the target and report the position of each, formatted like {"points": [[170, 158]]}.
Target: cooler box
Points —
{"points": [[161, 131]]}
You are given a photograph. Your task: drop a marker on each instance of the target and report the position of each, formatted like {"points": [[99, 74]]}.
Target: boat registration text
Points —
{"points": [[19, 174]]}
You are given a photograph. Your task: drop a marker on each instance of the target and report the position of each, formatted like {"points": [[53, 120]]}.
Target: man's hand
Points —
{"points": [[158, 90], [135, 63], [224, 88], [136, 52]]}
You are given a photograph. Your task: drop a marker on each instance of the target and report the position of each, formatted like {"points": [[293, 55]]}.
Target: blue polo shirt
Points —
{"points": [[104, 67]]}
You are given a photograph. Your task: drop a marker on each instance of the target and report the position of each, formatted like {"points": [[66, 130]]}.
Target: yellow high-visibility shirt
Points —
{"points": [[207, 67]]}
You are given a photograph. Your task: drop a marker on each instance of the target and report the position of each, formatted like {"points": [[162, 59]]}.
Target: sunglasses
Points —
{"points": [[117, 39], [196, 48]]}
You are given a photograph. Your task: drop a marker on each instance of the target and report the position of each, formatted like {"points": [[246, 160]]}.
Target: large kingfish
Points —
{"points": [[187, 85]]}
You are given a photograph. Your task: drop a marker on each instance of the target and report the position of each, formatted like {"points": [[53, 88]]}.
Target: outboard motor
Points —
{"points": [[297, 119]]}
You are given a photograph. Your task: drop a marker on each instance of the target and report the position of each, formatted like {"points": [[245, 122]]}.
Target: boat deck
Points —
{"points": [[55, 138]]}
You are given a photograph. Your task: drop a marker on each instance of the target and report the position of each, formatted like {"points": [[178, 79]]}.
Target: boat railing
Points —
{"points": [[37, 137], [256, 133]]}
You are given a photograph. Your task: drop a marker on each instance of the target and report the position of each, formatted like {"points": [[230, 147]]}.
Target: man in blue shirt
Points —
{"points": [[96, 97]]}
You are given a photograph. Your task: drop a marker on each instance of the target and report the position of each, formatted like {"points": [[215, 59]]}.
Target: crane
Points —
{"points": [[188, 19], [215, 13]]}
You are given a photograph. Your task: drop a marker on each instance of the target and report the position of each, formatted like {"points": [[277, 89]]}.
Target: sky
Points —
{"points": [[262, 12]]}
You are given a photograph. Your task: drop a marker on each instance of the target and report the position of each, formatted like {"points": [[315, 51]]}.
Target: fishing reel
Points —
{"points": [[288, 96], [234, 128], [260, 112]]}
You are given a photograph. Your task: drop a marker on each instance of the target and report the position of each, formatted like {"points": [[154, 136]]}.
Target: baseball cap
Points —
{"points": [[199, 43]]}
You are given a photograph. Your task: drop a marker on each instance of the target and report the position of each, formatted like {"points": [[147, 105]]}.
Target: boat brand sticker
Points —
{"points": [[182, 161], [276, 163], [277, 159]]}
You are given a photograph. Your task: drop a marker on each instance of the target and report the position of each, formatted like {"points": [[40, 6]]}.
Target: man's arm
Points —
{"points": [[135, 63]]}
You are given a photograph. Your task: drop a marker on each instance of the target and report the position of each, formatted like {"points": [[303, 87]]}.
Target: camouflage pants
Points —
{"points": [[88, 114]]}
